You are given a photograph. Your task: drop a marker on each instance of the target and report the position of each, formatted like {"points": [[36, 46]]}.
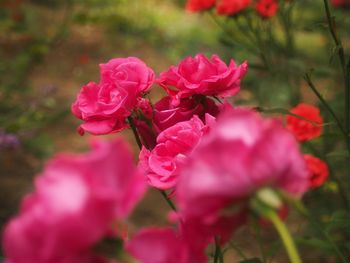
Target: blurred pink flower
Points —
{"points": [[241, 154], [75, 202], [199, 75], [166, 114], [104, 107], [162, 245], [173, 146]]}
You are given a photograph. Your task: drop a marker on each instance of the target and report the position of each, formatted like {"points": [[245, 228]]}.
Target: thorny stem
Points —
{"points": [[329, 109], [134, 131], [170, 203], [345, 69], [229, 34], [138, 141], [258, 237], [218, 257], [238, 250], [317, 225], [286, 18]]}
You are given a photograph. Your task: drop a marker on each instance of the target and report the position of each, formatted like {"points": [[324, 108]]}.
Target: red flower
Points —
{"points": [[231, 7], [309, 128], [199, 5], [318, 170], [339, 3], [267, 8]]}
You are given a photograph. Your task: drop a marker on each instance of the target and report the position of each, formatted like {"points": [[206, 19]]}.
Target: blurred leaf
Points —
{"points": [[340, 220], [338, 154], [315, 243], [41, 146], [251, 260]]}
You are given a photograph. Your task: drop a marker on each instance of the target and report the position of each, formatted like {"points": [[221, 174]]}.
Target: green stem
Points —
{"points": [[218, 257], [138, 141], [314, 221], [286, 237], [329, 109], [238, 250], [134, 130], [170, 203], [347, 101], [332, 29], [258, 237], [345, 69]]}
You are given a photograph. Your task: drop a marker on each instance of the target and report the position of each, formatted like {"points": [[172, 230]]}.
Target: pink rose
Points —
{"points": [[145, 107], [75, 202], [130, 74], [199, 75], [104, 107], [173, 146], [241, 154], [166, 114], [157, 245]]}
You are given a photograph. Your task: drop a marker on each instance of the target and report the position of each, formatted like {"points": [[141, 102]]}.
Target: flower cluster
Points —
{"points": [[216, 159], [265, 8]]}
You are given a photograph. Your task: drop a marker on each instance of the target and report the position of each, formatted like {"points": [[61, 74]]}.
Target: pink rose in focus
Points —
{"points": [[145, 106], [241, 154], [166, 114], [161, 164], [104, 107], [75, 202], [130, 74], [199, 75]]}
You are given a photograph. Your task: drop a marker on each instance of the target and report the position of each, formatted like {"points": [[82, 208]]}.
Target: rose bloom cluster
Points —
{"points": [[214, 159], [265, 8]]}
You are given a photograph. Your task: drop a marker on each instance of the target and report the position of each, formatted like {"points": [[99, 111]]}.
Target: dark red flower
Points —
{"points": [[340, 3], [199, 5], [267, 8], [166, 114], [307, 128], [318, 170]]}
